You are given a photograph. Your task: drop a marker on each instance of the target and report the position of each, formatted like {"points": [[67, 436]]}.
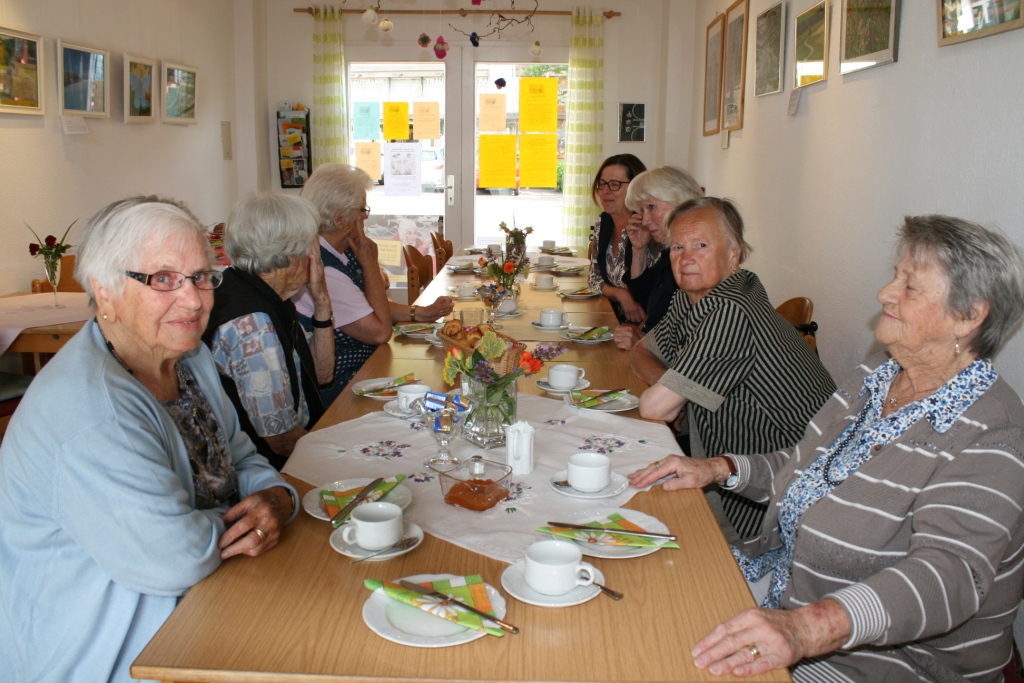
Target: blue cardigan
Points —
{"points": [[99, 535]]}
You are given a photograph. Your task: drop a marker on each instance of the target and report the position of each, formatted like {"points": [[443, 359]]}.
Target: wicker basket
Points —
{"points": [[502, 365]]}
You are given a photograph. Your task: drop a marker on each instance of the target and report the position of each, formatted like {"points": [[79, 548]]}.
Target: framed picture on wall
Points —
{"points": [[734, 65], [140, 79], [713, 75], [83, 82], [631, 121], [870, 33], [961, 20], [770, 50], [21, 72], [179, 86], [810, 46]]}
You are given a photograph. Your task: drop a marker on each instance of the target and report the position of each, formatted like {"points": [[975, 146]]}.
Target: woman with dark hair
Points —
{"points": [[612, 254]]}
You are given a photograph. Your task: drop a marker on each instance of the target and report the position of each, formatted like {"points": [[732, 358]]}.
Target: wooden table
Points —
{"points": [[294, 614]]}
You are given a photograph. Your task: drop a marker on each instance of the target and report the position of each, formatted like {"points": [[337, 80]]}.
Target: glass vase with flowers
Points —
{"points": [[51, 249], [502, 294]]}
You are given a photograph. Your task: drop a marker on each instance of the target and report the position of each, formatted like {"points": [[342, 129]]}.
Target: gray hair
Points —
{"points": [[665, 183], [979, 265], [336, 189], [265, 230], [732, 222], [113, 239]]}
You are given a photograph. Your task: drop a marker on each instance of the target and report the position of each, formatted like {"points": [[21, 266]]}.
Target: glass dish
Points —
{"points": [[476, 484]]}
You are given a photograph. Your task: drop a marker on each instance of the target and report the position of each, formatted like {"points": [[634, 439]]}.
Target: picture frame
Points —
{"points": [[140, 88], [770, 50], [734, 64], [179, 85], [810, 46], [83, 80], [22, 69], [870, 34], [631, 121], [962, 20], [713, 75]]}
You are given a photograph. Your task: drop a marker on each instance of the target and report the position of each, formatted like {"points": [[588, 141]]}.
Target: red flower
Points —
{"points": [[482, 261], [456, 353], [51, 241], [509, 267], [33, 248], [528, 363]]}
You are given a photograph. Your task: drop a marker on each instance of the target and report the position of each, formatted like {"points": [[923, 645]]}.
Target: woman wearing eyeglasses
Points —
{"points": [[125, 478], [269, 369], [613, 255]]}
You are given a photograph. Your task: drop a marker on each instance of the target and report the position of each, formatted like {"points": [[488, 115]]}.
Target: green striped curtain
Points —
{"points": [[584, 134], [330, 83]]}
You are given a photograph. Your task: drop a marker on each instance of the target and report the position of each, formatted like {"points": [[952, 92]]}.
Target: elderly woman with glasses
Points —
{"points": [[892, 546], [363, 315], [125, 478], [271, 372], [612, 254]]}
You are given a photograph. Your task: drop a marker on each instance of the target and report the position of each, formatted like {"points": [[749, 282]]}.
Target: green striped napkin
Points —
{"points": [[604, 533], [470, 590]]}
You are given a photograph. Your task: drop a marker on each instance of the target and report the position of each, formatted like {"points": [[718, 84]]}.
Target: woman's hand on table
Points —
{"points": [[690, 473], [266, 511], [626, 336], [632, 311], [759, 640], [441, 307]]}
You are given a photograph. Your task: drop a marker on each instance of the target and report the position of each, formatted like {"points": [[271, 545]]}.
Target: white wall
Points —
{"points": [[824, 191], [49, 178]]}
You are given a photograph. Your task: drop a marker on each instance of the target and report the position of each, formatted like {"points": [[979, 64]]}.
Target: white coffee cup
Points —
{"points": [[494, 249], [407, 393], [589, 472], [374, 526], [467, 289], [552, 318], [545, 260], [544, 280], [555, 567], [564, 376], [548, 244], [508, 305]]}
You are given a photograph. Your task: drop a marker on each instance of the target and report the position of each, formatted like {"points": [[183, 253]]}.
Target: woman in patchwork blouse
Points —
{"points": [[893, 548], [269, 369]]}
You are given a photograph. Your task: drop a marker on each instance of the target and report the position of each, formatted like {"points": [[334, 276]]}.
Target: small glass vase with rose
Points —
{"points": [[51, 249]]}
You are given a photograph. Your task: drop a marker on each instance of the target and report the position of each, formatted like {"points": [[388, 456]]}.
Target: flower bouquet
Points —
{"points": [[51, 250], [506, 272]]}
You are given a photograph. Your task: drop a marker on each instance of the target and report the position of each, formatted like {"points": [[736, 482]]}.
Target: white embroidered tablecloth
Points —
{"points": [[378, 444], [36, 310]]}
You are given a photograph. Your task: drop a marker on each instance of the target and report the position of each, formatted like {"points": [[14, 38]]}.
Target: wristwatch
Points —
{"points": [[412, 313], [323, 324], [733, 478]]}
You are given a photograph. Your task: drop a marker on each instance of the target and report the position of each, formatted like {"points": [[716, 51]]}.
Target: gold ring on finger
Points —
{"points": [[259, 532], [754, 652], [656, 463]]}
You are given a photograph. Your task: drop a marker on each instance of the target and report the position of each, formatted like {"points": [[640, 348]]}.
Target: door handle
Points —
{"points": [[449, 189]]}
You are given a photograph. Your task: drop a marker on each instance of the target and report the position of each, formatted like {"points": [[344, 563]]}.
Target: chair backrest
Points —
{"points": [[798, 312], [67, 282], [420, 271], [441, 251], [449, 249]]}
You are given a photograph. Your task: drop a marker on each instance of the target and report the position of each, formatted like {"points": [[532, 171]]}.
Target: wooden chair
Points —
{"points": [[421, 271], [797, 312], [440, 243], [67, 281]]}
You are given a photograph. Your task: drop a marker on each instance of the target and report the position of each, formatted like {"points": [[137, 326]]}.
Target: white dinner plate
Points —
{"points": [[434, 339], [409, 530], [311, 503], [392, 409], [416, 330], [552, 328], [538, 288], [616, 485], [569, 294], [476, 250], [513, 579], [577, 329], [613, 552], [407, 625], [465, 268], [580, 386], [562, 251], [377, 382], [619, 405]]}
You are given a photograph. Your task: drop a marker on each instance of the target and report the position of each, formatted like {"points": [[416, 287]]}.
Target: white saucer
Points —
{"points": [[580, 386], [407, 625], [311, 503], [355, 552], [555, 328], [392, 409], [514, 314], [434, 339], [543, 289], [617, 485], [513, 579], [367, 384], [619, 405]]}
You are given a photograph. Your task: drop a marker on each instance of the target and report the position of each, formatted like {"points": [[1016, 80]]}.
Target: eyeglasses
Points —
{"points": [[168, 280], [613, 185], [365, 211]]}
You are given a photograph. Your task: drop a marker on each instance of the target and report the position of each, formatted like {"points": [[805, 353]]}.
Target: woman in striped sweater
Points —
{"points": [[893, 548]]}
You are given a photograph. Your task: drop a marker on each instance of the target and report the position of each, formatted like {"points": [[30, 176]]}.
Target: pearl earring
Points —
{"points": [[104, 316]]}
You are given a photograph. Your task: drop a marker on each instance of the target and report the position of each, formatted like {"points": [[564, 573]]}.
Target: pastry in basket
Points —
{"points": [[452, 328], [484, 328], [473, 338]]}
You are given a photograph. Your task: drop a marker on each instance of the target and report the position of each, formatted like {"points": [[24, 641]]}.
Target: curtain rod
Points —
{"points": [[461, 12]]}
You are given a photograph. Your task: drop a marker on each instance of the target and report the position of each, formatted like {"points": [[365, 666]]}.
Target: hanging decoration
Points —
{"points": [[499, 22], [441, 48], [370, 15], [475, 39], [423, 40], [385, 25], [535, 49]]}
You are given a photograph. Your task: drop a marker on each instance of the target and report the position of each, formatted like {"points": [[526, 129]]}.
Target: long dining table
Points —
{"points": [[295, 613]]}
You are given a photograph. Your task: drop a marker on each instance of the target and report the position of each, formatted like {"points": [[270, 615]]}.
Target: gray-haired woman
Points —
{"points": [[269, 370], [124, 476], [891, 550]]}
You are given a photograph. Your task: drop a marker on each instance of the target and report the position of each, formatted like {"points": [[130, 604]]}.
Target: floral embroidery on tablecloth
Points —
{"points": [[416, 426], [385, 450], [421, 477], [604, 444]]}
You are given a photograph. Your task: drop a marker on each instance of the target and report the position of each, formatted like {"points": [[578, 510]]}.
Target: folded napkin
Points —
{"points": [[595, 333], [389, 388], [470, 590], [414, 327], [569, 269], [580, 400], [601, 535], [335, 500], [583, 291]]}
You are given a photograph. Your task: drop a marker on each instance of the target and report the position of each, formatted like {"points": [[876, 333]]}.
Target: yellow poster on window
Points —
{"points": [[492, 113], [368, 158], [396, 120], [389, 252], [498, 160], [538, 160], [538, 105], [426, 120]]}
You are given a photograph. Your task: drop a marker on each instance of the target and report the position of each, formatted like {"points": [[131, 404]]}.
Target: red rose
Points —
{"points": [[509, 267], [33, 248], [51, 241], [482, 261]]}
